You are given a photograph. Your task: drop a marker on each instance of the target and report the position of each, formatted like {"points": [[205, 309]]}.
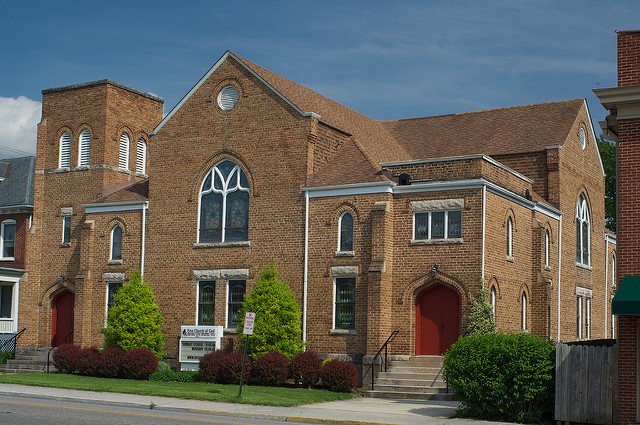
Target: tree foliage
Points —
{"points": [[134, 319], [608, 152], [278, 323], [481, 318]]}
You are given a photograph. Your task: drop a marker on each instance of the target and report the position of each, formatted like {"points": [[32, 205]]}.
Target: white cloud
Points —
{"points": [[19, 118]]}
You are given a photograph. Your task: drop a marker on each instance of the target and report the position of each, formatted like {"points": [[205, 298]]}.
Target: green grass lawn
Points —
{"points": [[251, 394]]}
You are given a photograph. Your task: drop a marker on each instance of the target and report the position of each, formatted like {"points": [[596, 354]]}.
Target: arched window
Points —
{"points": [[614, 284], [547, 241], [510, 237], [141, 157], [224, 204], [583, 234], [345, 236], [84, 148], [65, 150], [492, 300], [123, 157], [523, 311], [7, 240], [116, 243]]}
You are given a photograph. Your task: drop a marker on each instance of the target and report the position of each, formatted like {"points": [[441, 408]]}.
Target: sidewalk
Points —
{"points": [[359, 410]]}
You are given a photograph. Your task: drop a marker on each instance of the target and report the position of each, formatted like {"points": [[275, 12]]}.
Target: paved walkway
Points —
{"points": [[359, 410]]}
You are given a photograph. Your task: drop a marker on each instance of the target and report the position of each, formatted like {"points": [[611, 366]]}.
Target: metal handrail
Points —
{"points": [[379, 354], [62, 341], [14, 341]]}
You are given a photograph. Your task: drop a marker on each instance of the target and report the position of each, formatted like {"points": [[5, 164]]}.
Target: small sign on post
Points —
{"points": [[249, 320]]}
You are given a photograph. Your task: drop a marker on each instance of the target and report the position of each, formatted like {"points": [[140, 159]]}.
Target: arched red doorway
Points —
{"points": [[62, 318], [437, 320]]}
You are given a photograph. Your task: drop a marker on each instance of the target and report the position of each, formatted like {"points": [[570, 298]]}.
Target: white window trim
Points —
{"points": [[224, 192], [64, 220], [14, 303], [141, 156], [334, 330], [198, 282], [493, 294], [582, 216], [65, 142], [446, 227], [523, 311], [547, 243], [510, 238], [339, 250], [583, 312], [84, 135], [111, 243], [2, 227], [123, 151], [579, 316]]}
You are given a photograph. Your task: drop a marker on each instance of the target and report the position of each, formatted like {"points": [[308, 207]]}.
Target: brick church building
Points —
{"points": [[375, 225]]}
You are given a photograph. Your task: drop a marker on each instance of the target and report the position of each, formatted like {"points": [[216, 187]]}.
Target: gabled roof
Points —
{"points": [[517, 129], [16, 183]]}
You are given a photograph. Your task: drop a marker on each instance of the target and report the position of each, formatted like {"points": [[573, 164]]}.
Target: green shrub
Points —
{"points": [[278, 323], [481, 318], [165, 374], [4, 356], [134, 319], [502, 377]]}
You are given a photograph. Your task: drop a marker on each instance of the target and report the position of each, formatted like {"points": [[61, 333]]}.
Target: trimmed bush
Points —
{"points": [[232, 368], [139, 363], [88, 361], [305, 368], [165, 374], [278, 324], [271, 369], [134, 319], [339, 375], [65, 358], [502, 377], [111, 360], [211, 367]]}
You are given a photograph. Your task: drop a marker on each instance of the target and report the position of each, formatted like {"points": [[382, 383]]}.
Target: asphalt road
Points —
{"points": [[25, 410]]}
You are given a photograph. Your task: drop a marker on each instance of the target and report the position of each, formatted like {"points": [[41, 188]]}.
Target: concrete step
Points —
{"points": [[405, 375], [410, 369], [417, 390], [410, 395], [414, 383]]}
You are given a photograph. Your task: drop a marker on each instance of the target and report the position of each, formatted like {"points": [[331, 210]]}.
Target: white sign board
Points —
{"points": [[249, 320], [195, 342]]}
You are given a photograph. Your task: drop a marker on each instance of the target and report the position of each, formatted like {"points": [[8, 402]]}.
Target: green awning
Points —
{"points": [[627, 298]]}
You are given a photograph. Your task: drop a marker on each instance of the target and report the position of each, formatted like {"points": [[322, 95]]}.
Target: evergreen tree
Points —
{"points": [[134, 319], [278, 320], [608, 154], [481, 320]]}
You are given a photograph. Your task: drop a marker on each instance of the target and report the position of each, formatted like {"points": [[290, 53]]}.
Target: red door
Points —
{"points": [[437, 320], [62, 318]]}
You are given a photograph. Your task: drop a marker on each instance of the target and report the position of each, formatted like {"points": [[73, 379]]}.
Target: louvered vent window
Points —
{"points": [[228, 98], [141, 157], [85, 148], [65, 149], [123, 158]]}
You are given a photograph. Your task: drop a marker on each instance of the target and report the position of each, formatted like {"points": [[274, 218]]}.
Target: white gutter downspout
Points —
{"points": [[606, 282], [484, 230], [143, 238], [559, 271], [306, 266]]}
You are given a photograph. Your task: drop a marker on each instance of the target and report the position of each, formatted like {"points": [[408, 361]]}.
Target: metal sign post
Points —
{"points": [[249, 320]]}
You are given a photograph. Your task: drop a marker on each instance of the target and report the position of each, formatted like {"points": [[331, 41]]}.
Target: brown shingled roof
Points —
{"points": [[124, 192], [369, 133], [518, 129]]}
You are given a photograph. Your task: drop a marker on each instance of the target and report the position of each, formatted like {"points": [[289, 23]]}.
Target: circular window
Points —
{"points": [[227, 98], [583, 138]]}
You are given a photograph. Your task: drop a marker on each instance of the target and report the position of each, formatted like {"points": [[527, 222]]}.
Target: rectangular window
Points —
{"points": [[579, 317], [8, 239], [587, 318], [66, 230], [206, 303], [6, 301], [236, 291], [437, 225], [112, 288], [345, 303]]}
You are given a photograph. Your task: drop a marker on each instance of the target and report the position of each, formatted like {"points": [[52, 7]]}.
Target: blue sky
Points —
{"points": [[384, 59]]}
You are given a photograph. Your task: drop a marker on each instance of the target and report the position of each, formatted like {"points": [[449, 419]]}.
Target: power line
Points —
{"points": [[9, 151]]}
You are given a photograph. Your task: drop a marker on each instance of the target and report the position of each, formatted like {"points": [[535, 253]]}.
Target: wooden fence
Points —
{"points": [[586, 383]]}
